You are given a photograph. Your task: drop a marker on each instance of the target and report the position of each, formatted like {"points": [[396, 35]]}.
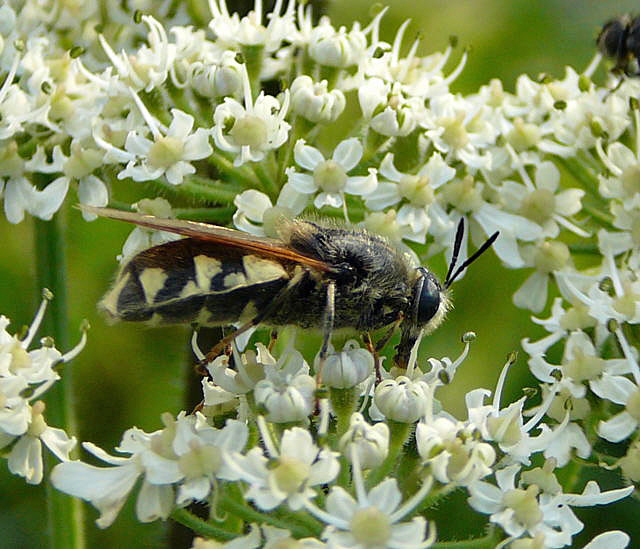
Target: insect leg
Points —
{"points": [[327, 327], [270, 308]]}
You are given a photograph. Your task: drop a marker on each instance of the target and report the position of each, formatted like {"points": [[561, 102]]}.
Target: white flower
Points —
{"points": [[20, 196], [370, 442], [417, 191], [540, 201], [313, 101], [297, 467], [25, 457], [459, 129], [624, 424], [466, 197], [372, 518], [252, 130], [287, 390], [170, 152], [339, 48], [624, 166], [150, 66], [547, 257], [257, 215], [402, 399], [330, 176], [203, 453], [233, 32], [452, 452], [581, 364], [347, 368], [387, 110], [520, 510]]}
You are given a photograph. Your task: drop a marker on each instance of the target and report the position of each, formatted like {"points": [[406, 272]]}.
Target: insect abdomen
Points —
{"points": [[193, 281]]}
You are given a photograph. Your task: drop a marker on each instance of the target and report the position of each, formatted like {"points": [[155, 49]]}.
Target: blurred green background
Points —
{"points": [[129, 374]]}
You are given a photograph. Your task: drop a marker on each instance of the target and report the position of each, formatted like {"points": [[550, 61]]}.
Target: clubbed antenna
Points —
{"points": [[451, 275]]}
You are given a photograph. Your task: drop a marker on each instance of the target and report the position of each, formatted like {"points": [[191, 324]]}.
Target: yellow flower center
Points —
{"points": [[290, 474], [525, 505], [165, 152], [416, 189], [250, 131], [371, 527], [330, 176], [538, 205]]}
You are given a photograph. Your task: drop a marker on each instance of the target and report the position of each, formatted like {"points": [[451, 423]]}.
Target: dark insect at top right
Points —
{"points": [[619, 40]]}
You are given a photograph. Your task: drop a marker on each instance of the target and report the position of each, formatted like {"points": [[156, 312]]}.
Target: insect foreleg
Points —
{"points": [[272, 306]]}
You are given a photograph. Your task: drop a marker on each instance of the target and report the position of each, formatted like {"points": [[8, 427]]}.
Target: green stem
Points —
{"points": [[266, 181], [221, 214], [239, 175], [65, 514], [343, 402], [489, 541], [583, 173], [217, 192], [201, 527], [251, 515]]}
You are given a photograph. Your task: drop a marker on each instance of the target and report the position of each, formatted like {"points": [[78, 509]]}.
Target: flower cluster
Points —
{"points": [[238, 115], [25, 376]]}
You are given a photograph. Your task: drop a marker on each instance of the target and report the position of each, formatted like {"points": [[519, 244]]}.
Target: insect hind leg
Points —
{"points": [[270, 308], [327, 328]]}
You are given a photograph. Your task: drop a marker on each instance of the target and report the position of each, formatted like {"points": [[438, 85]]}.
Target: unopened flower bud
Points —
{"points": [[347, 368], [401, 399], [314, 102], [371, 442]]}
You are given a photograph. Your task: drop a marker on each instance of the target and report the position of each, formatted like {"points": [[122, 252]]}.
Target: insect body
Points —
{"points": [[315, 275], [619, 40]]}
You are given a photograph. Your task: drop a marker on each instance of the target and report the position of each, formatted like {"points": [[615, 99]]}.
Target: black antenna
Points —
{"points": [[487, 244], [456, 250]]}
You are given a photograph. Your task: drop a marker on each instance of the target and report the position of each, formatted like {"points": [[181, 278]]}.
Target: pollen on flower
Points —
{"points": [[370, 527]]}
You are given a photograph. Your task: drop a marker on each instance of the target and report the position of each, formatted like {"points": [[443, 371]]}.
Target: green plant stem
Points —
{"points": [[239, 175], [252, 515], [64, 514], [489, 542], [201, 527], [221, 214]]}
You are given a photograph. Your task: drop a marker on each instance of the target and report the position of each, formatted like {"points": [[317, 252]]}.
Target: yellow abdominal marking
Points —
{"points": [[206, 268], [190, 288], [260, 270], [110, 300], [234, 280], [152, 281]]}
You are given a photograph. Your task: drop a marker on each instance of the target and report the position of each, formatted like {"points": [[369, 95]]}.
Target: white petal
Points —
{"points": [[302, 182], [197, 145], [361, 185], [93, 192], [617, 389], [154, 502], [48, 201], [348, 153], [306, 156], [618, 428], [385, 195], [181, 124], [388, 170], [532, 294], [615, 539], [253, 203]]}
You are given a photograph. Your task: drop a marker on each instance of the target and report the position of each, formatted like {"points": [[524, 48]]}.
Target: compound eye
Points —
{"points": [[429, 299]]}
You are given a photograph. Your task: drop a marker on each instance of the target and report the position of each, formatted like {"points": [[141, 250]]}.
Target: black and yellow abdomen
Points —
{"points": [[194, 281]]}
